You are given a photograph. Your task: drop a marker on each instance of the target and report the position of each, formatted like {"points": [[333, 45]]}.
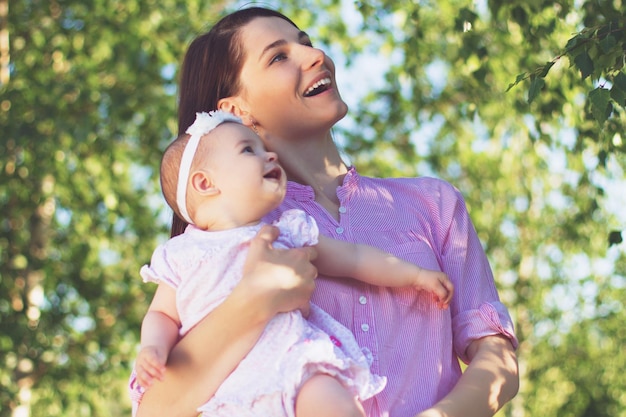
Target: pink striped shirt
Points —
{"points": [[411, 342]]}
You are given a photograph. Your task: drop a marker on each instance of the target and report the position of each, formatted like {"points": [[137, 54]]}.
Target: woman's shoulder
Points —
{"points": [[422, 181], [425, 184]]}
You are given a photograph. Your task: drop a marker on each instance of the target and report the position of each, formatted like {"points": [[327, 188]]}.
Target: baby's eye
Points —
{"points": [[247, 149]]}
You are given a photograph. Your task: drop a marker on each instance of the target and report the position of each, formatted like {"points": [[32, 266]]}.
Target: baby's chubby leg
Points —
{"points": [[324, 396]]}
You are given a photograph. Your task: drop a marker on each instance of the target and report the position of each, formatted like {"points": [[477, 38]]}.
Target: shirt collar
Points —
{"points": [[301, 192]]}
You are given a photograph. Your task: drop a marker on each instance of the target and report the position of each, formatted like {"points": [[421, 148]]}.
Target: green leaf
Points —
{"points": [[607, 44], [619, 81], [585, 64], [546, 68], [599, 99], [520, 77], [572, 43], [618, 95], [536, 84]]}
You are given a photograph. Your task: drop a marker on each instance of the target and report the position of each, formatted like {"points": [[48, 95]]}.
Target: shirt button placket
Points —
{"points": [[363, 300], [339, 229]]}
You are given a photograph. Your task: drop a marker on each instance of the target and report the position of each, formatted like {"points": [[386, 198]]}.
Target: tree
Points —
{"points": [[87, 107], [88, 99]]}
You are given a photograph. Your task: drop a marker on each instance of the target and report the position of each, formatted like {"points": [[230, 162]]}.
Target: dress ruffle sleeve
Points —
{"points": [[159, 270], [297, 229]]}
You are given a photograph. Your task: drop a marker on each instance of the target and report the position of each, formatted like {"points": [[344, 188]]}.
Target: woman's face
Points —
{"points": [[288, 85]]}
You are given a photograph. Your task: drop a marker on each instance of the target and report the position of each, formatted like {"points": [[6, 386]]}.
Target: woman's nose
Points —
{"points": [[312, 57]]}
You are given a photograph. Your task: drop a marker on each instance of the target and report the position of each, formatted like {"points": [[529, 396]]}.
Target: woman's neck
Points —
{"points": [[316, 163]]}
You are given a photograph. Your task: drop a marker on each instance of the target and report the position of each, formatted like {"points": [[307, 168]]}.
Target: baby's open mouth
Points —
{"points": [[274, 174]]}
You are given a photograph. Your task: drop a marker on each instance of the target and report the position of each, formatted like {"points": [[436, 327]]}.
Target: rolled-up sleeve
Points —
{"points": [[476, 308], [490, 319]]}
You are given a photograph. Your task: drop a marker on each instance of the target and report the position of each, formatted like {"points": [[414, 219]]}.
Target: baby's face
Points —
{"points": [[247, 175]]}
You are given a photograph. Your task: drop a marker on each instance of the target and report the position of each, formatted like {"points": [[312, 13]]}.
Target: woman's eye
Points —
{"points": [[278, 57]]}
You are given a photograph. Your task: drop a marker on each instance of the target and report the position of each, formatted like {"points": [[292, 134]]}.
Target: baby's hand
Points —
{"points": [[150, 365], [437, 283]]}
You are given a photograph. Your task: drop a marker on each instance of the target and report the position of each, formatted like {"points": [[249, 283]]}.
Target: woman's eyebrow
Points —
{"points": [[301, 35]]}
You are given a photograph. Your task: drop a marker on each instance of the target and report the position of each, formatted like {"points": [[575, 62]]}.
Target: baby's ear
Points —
{"points": [[202, 184]]}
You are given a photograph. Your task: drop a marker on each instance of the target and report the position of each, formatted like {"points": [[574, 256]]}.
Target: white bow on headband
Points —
{"points": [[205, 122]]}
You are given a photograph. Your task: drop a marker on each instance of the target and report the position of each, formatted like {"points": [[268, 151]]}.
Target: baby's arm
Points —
{"points": [[159, 333], [373, 266]]}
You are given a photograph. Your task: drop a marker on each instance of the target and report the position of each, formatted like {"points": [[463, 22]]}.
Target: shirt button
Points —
{"points": [[342, 209], [365, 327], [339, 230], [363, 299]]}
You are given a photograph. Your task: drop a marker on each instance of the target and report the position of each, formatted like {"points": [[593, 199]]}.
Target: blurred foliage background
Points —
{"points": [[520, 104]]}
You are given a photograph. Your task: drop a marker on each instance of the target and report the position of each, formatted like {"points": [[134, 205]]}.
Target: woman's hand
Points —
{"points": [[278, 280]]}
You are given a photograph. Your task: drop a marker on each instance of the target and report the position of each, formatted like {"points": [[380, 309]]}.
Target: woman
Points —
{"points": [[257, 64]]}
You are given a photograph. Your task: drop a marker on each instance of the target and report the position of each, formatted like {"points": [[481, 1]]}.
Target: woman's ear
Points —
{"points": [[237, 106], [202, 184]]}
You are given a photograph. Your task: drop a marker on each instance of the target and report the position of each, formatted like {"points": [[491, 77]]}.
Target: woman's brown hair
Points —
{"points": [[211, 70]]}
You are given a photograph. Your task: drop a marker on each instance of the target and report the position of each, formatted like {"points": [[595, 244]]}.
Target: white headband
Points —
{"points": [[205, 122]]}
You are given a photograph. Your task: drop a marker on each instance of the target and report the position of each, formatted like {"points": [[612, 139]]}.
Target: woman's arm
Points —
{"points": [[273, 281], [490, 381], [373, 266]]}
